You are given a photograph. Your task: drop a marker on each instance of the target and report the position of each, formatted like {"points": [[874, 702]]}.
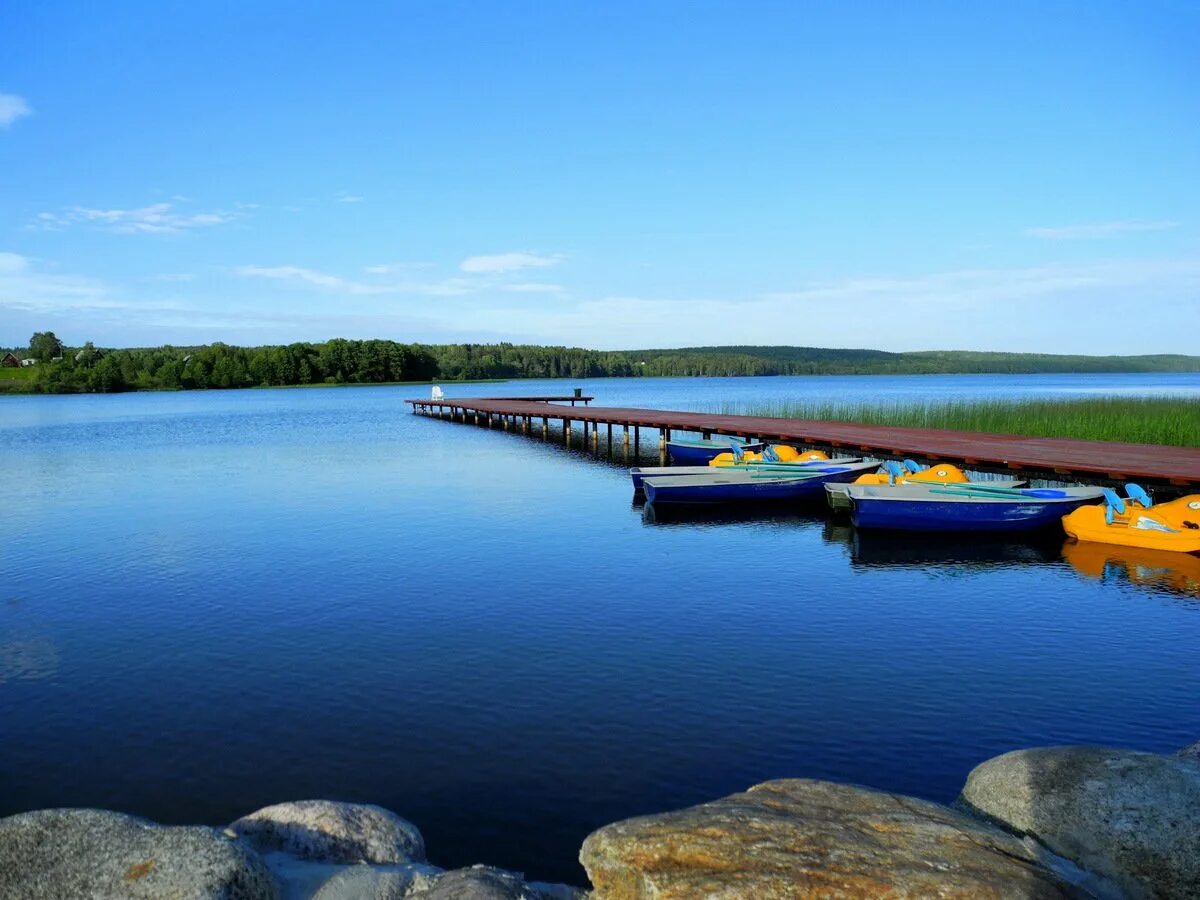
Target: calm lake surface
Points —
{"points": [[214, 601]]}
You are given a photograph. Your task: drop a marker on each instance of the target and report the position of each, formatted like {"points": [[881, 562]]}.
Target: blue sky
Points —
{"points": [[1007, 176]]}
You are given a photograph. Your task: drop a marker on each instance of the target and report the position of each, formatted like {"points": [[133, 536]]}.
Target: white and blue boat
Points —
{"points": [[699, 452], [744, 486], [641, 473], [964, 507]]}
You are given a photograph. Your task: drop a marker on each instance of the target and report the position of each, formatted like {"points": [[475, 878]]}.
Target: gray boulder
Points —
{"points": [[328, 831], [53, 854], [798, 838], [377, 883], [478, 883], [1192, 751], [1131, 817]]}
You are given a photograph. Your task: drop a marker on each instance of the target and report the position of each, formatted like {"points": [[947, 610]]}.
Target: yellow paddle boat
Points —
{"points": [[1165, 569], [775, 453], [1136, 521]]}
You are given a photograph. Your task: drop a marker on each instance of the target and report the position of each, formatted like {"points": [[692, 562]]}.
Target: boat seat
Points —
{"points": [[894, 470], [1114, 502], [1136, 493], [912, 466]]}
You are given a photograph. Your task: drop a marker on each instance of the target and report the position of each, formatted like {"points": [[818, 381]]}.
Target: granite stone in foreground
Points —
{"points": [[53, 854], [807, 839]]}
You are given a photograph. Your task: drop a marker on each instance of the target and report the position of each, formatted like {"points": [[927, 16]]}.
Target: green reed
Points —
{"points": [[1141, 420]]}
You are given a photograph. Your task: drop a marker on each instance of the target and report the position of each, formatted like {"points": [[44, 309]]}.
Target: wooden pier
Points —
{"points": [[1151, 464]]}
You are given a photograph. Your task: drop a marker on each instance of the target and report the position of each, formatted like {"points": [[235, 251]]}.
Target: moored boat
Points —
{"points": [[699, 452], [640, 473], [908, 472], [741, 486], [964, 507], [1136, 521]]}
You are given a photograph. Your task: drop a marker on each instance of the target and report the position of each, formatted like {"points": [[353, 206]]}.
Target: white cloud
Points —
{"points": [[532, 287], [24, 285], [12, 108], [11, 263], [344, 197], [961, 309], [1098, 229], [392, 268], [298, 275], [158, 218], [500, 263]]}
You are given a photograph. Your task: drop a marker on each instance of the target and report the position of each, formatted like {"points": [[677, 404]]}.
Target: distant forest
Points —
{"points": [[61, 369]]}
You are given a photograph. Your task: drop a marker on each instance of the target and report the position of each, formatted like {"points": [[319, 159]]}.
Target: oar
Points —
{"points": [[1001, 493]]}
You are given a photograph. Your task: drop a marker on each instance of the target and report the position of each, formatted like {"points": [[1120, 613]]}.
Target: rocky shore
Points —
{"points": [[1054, 822]]}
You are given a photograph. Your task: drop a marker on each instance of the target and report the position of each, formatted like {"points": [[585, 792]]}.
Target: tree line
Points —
{"points": [[340, 361]]}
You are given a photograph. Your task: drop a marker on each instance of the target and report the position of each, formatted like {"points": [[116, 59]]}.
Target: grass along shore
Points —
{"points": [[1169, 421]]}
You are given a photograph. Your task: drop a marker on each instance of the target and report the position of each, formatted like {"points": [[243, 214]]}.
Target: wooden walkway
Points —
{"points": [[1085, 460]]}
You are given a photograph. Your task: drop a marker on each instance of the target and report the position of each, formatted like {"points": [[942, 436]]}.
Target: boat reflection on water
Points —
{"points": [[1177, 573], [875, 548], [732, 514]]}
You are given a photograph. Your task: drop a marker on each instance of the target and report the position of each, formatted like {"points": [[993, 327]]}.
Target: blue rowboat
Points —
{"points": [[724, 486], [699, 452], [964, 507], [641, 473]]}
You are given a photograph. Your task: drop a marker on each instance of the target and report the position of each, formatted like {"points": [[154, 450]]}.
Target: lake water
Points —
{"points": [[214, 601]]}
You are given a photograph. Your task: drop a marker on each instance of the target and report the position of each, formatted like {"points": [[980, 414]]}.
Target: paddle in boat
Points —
{"points": [[699, 452], [1135, 521], [964, 507], [909, 472], [745, 485]]}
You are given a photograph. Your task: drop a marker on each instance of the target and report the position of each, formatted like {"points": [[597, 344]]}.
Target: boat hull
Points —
{"points": [[744, 488], [962, 515], [640, 474], [838, 495], [698, 453]]}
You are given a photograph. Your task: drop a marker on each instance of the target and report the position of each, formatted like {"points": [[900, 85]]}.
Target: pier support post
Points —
{"points": [[706, 435], [625, 439], [567, 431], [545, 428], [637, 435]]}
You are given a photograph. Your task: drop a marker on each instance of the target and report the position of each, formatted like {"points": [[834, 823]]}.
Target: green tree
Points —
{"points": [[45, 345]]}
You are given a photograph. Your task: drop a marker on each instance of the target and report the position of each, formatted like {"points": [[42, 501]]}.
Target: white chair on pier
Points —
{"points": [[437, 393]]}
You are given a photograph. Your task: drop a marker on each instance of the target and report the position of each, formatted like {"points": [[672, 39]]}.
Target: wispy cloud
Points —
{"points": [[1098, 229], [345, 197], [304, 277], [158, 218], [12, 108], [532, 287], [392, 268], [500, 263]]}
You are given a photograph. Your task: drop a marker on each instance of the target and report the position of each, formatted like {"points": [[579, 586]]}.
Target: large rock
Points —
{"points": [[327, 831], [800, 838], [59, 853], [377, 883], [1132, 817], [479, 883]]}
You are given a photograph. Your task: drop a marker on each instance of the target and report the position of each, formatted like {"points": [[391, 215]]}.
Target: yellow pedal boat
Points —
{"points": [[1138, 522], [776, 453]]}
